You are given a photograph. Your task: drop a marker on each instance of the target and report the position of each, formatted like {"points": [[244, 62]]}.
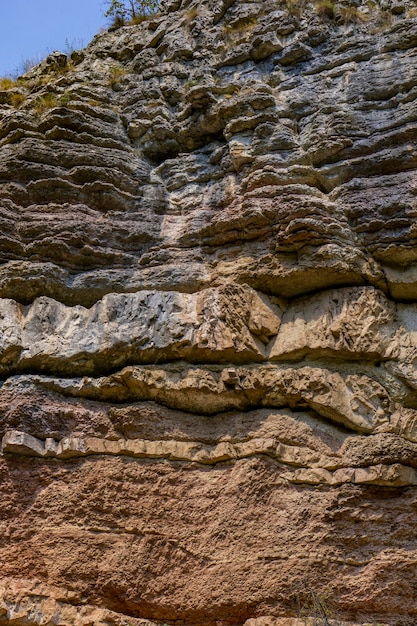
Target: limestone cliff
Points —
{"points": [[208, 321]]}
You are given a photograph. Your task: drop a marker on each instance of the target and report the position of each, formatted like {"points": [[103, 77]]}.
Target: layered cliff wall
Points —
{"points": [[208, 321]]}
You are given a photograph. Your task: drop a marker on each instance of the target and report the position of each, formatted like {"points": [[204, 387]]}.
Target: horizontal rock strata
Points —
{"points": [[208, 336]]}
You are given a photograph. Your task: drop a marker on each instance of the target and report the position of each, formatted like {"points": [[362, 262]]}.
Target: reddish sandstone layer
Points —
{"points": [[208, 344]]}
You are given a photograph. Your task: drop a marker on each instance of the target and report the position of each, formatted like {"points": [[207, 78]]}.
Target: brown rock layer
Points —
{"points": [[208, 338]]}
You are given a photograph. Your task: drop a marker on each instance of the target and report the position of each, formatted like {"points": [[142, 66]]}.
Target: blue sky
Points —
{"points": [[32, 28]]}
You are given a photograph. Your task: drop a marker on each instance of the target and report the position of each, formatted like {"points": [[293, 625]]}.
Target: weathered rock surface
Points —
{"points": [[208, 321]]}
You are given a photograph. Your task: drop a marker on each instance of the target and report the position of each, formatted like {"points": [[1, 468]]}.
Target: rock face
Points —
{"points": [[208, 321]]}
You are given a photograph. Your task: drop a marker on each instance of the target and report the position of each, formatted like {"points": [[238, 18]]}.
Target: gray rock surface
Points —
{"points": [[208, 335]]}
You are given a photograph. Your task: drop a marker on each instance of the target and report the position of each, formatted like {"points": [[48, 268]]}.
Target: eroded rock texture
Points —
{"points": [[208, 321]]}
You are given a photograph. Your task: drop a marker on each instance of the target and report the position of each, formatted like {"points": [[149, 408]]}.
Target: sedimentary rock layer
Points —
{"points": [[208, 305]]}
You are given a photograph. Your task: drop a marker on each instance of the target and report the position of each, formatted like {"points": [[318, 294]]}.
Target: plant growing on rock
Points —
{"points": [[325, 8], [294, 7], [351, 15], [17, 99], [7, 83], [51, 100], [116, 73], [191, 14], [315, 610], [123, 11], [13, 95]]}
